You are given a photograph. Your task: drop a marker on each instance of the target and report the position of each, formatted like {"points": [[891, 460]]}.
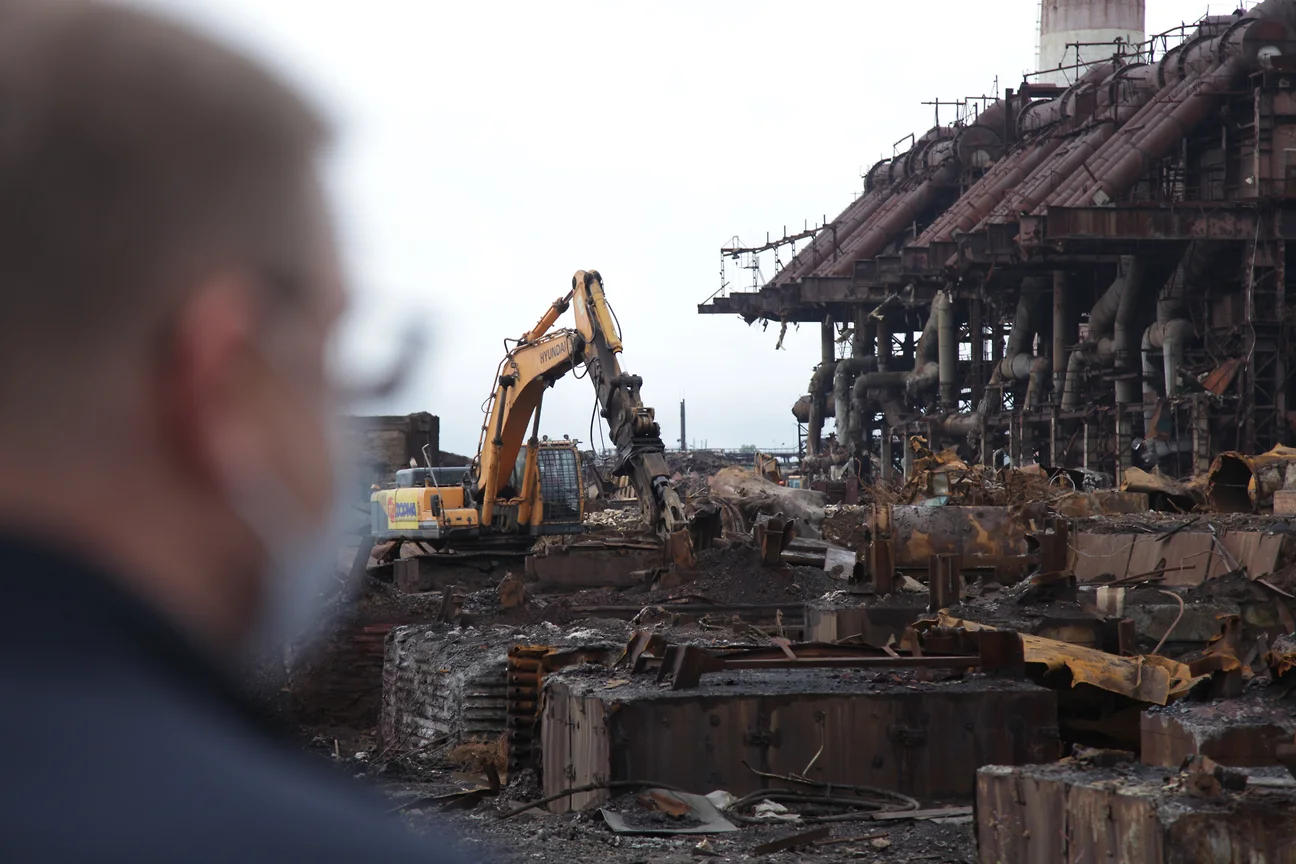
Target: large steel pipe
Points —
{"points": [[1007, 174], [827, 243], [1133, 87], [947, 348], [1251, 43]]}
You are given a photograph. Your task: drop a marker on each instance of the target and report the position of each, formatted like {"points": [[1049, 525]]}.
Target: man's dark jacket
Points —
{"points": [[119, 741]]}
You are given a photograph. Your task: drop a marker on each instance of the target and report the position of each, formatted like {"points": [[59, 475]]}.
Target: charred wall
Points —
{"points": [[385, 444]]}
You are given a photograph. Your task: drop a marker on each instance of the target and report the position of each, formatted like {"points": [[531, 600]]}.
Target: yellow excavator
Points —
{"points": [[519, 487]]}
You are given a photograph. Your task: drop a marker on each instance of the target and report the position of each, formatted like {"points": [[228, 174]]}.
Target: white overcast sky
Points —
{"points": [[489, 150]]}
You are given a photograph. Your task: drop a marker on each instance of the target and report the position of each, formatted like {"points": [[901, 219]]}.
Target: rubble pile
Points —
{"points": [[924, 646], [755, 496]]}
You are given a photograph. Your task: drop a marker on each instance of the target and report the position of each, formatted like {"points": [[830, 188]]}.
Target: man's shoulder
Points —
{"points": [[130, 770]]}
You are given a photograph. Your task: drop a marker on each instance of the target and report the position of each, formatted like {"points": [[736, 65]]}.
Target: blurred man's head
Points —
{"points": [[168, 288]]}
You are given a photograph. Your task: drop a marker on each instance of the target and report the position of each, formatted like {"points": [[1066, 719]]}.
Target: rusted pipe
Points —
{"points": [[1249, 45], [1169, 128], [1171, 337], [1017, 360], [883, 350], [843, 379], [1119, 137], [1008, 173], [1127, 387], [1102, 317], [801, 409], [820, 387], [1085, 355], [1133, 87], [1149, 375], [1059, 331], [1239, 483], [1060, 164], [947, 350], [827, 243], [880, 231], [1172, 330], [881, 380], [956, 425], [1076, 365], [1039, 376], [934, 163], [987, 192], [1102, 321], [872, 388], [926, 372]]}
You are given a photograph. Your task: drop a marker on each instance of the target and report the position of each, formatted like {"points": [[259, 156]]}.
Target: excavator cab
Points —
{"points": [[562, 497]]}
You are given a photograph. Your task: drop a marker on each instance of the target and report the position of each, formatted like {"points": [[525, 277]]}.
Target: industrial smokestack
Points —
{"points": [[1083, 32], [683, 434]]}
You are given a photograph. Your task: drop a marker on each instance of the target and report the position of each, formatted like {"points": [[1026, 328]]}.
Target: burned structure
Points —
{"points": [[1091, 275]]}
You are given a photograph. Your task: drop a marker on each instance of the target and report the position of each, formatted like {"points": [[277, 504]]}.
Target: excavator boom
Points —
{"points": [[527, 371], [635, 431]]}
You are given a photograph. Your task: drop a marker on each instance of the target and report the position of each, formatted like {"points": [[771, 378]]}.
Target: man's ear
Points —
{"points": [[208, 379]]}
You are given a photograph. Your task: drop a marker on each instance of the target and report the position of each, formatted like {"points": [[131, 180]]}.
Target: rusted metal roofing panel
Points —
{"points": [[1190, 550], [1095, 557], [1256, 551], [925, 741]]}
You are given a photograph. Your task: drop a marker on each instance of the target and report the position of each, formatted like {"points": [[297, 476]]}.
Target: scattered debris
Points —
{"points": [[663, 812], [805, 838]]}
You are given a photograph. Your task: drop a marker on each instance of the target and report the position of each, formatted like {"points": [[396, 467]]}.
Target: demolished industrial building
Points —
{"points": [[1086, 276], [1032, 601]]}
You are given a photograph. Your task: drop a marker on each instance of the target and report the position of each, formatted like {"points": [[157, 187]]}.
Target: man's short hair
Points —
{"points": [[134, 156]]}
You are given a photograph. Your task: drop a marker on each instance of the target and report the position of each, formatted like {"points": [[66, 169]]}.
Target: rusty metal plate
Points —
{"points": [[1193, 551], [1234, 735], [1065, 814], [982, 535], [578, 568], [869, 625], [1150, 222], [1108, 502], [1095, 557], [1222, 376], [925, 741], [1256, 551]]}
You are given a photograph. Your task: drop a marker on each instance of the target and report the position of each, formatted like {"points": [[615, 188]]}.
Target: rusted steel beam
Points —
{"points": [[943, 581], [882, 567], [1153, 223], [928, 662]]}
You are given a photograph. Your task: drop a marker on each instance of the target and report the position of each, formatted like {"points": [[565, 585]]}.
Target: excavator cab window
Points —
{"points": [[560, 483]]}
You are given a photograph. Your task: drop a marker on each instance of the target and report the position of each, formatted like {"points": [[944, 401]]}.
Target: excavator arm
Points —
{"points": [[538, 360], [527, 371], [640, 451]]}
